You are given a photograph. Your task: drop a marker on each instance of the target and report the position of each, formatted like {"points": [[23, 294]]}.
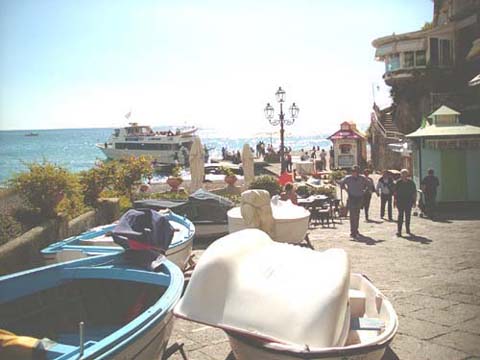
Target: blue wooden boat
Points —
{"points": [[101, 307], [98, 241]]}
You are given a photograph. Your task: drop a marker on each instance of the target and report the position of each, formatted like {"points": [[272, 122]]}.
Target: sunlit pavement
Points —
{"points": [[432, 278]]}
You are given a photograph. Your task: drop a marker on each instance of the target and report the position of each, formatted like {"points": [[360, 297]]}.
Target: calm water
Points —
{"points": [[75, 148]]}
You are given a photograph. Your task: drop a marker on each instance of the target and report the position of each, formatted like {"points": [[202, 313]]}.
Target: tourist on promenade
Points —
{"points": [[289, 193], [429, 187], [367, 196], [289, 161], [385, 191], [405, 195], [355, 186], [323, 158], [332, 158]]}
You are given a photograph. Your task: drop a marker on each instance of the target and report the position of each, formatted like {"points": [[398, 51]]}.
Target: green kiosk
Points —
{"points": [[452, 150]]}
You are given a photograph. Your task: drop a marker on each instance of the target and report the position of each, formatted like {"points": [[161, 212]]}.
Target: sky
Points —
{"points": [[212, 64]]}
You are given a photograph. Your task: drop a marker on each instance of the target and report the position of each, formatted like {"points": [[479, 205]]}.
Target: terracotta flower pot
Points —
{"points": [[230, 179], [174, 182]]}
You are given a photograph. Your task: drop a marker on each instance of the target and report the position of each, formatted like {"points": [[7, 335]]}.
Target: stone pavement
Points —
{"points": [[432, 278]]}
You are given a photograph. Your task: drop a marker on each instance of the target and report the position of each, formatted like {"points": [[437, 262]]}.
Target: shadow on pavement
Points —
{"points": [[417, 238], [389, 355], [367, 240], [375, 222], [203, 243], [232, 357]]}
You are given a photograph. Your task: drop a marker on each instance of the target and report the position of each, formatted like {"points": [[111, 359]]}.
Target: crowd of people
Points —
{"points": [[319, 157], [403, 192]]}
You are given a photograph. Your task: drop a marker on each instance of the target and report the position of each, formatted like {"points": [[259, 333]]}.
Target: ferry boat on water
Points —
{"points": [[165, 147]]}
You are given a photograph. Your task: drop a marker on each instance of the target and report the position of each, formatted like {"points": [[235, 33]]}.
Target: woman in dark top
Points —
{"points": [[405, 196]]}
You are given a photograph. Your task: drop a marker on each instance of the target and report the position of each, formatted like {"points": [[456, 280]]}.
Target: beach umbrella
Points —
{"points": [[247, 164], [197, 167]]}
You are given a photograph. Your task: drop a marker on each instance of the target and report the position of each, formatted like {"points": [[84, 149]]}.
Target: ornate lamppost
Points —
{"points": [[282, 121]]}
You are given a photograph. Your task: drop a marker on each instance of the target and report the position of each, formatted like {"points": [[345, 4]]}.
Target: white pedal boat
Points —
{"points": [[291, 221], [280, 302], [98, 241]]}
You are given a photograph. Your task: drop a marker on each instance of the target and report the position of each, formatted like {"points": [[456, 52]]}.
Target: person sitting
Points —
{"points": [[289, 193]]}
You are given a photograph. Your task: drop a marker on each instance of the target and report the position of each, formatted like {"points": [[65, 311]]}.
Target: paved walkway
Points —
{"points": [[432, 279]]}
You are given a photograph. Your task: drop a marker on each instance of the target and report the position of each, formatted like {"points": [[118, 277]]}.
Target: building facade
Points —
{"points": [[349, 147], [452, 150], [434, 66]]}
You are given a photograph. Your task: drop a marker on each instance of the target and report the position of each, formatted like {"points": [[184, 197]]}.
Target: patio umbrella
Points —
{"points": [[247, 164], [197, 168]]}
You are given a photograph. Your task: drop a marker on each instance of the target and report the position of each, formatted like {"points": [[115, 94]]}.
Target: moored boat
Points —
{"points": [[95, 308], [290, 221], [99, 241], [312, 306], [165, 147], [207, 211]]}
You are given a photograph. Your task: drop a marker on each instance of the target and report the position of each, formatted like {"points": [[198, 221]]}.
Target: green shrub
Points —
{"points": [[130, 173], [50, 189], [227, 171], [337, 175], [266, 182], [10, 228], [326, 190], [97, 179], [176, 171], [177, 195]]}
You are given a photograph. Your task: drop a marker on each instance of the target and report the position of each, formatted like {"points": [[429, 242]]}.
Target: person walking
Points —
{"points": [[355, 185], [405, 196], [367, 196], [385, 190], [429, 187], [332, 158], [323, 158]]}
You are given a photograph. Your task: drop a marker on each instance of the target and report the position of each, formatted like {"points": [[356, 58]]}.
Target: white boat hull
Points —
{"points": [[291, 231], [178, 255], [161, 156], [361, 344], [210, 230], [243, 350]]}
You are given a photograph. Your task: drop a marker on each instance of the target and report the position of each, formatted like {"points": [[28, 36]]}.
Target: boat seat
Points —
{"points": [[357, 302], [368, 324]]}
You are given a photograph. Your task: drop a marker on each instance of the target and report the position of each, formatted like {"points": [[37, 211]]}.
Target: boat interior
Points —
{"points": [[104, 305], [373, 323]]}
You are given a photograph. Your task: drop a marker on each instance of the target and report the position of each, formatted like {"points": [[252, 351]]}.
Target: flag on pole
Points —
{"points": [[127, 115]]}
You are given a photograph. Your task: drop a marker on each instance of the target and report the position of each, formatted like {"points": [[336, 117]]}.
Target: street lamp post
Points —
{"points": [[282, 121]]}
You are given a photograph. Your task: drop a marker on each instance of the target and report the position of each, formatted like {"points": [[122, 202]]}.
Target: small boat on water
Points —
{"points": [[94, 308], [99, 241], [31, 134], [312, 306], [165, 147]]}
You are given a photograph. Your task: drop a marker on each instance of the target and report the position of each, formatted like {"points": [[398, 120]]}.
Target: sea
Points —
{"points": [[75, 148]]}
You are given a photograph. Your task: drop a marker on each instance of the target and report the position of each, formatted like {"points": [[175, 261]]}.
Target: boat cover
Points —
{"points": [[247, 283], [202, 205], [144, 226]]}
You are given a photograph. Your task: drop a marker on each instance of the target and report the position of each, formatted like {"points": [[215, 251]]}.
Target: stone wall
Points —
{"points": [[23, 252]]}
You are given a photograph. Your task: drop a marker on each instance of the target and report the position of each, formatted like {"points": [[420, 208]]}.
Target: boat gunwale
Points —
{"points": [[66, 244], [267, 344], [120, 338]]}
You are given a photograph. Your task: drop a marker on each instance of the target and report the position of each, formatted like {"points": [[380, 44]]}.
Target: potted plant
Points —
{"points": [[230, 177], [175, 180]]}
